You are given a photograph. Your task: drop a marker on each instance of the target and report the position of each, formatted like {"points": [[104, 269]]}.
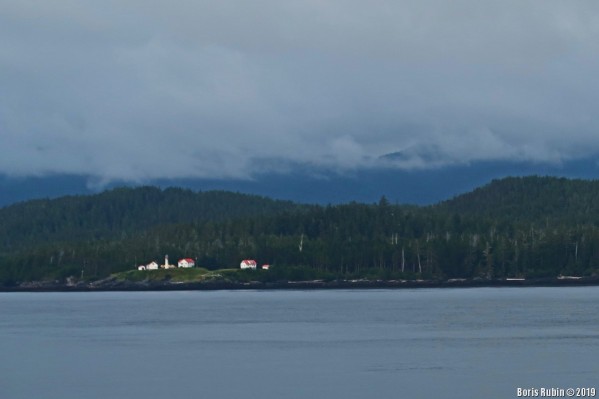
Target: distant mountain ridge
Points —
{"points": [[308, 185]]}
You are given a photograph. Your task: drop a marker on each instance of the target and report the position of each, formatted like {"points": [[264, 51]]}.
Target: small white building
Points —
{"points": [[187, 262], [152, 266], [248, 264], [141, 267], [265, 267]]}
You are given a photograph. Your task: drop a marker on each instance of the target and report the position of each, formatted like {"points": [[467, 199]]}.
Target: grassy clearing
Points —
{"points": [[191, 275], [176, 275]]}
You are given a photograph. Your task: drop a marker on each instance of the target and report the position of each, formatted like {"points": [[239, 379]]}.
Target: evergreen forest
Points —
{"points": [[519, 227]]}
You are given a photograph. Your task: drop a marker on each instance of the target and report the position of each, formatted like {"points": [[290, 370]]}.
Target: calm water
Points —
{"points": [[439, 343]]}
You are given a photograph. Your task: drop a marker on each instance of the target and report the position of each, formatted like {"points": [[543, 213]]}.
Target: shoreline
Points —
{"points": [[104, 285]]}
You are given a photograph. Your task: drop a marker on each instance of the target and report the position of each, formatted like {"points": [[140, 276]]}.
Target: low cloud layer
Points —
{"points": [[137, 90]]}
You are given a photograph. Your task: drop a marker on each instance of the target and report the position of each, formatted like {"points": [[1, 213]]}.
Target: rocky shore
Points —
{"points": [[111, 284]]}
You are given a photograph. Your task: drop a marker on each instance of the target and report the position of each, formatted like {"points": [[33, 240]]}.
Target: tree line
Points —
{"points": [[497, 236]]}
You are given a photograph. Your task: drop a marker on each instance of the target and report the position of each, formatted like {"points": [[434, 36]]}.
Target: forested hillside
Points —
{"points": [[516, 227], [532, 200], [120, 213]]}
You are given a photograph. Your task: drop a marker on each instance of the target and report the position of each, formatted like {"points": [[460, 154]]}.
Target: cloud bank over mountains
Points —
{"points": [[136, 90]]}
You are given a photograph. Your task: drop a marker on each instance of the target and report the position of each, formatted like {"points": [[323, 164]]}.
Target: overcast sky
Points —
{"points": [[141, 89]]}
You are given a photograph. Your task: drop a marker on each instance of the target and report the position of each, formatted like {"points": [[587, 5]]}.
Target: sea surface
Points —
{"points": [[421, 343]]}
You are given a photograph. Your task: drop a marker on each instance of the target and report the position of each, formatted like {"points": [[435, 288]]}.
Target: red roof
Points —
{"points": [[249, 261], [188, 260]]}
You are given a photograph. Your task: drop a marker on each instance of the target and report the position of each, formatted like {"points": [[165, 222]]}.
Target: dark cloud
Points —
{"points": [[138, 90]]}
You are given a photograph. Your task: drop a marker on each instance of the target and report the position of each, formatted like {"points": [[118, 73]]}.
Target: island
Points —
{"points": [[518, 231]]}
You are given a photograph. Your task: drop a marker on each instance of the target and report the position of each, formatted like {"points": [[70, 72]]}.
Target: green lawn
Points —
{"points": [[175, 275], [190, 275]]}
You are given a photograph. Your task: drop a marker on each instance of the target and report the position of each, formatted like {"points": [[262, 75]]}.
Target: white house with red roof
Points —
{"points": [[187, 262], [248, 264]]}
